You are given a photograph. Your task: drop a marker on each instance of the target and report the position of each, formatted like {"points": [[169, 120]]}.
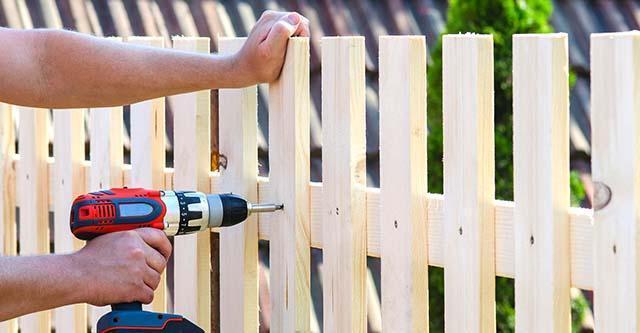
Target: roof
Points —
{"points": [[328, 17]]}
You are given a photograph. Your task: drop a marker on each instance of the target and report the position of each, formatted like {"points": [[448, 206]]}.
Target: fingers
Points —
{"points": [[155, 260], [279, 35], [151, 278], [157, 240]]}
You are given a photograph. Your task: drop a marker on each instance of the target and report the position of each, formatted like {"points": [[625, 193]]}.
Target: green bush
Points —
{"points": [[502, 19]]}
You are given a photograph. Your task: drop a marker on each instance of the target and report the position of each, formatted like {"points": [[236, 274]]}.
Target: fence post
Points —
{"points": [[148, 151], [106, 134], [33, 198], [615, 121], [289, 112], [344, 238], [468, 183], [403, 183], [238, 119], [192, 280], [69, 182], [8, 242], [541, 182]]}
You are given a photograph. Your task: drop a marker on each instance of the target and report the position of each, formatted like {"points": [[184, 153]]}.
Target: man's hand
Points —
{"points": [[262, 56], [123, 267]]}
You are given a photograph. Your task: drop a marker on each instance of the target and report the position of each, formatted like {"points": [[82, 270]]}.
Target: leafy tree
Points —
{"points": [[502, 19]]}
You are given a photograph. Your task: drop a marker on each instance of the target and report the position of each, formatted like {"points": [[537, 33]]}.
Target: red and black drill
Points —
{"points": [[175, 213]]}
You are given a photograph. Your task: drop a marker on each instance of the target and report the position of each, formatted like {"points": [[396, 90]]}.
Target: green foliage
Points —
{"points": [[502, 19]]}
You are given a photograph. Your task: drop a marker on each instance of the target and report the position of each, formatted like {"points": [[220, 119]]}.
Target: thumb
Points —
{"points": [[281, 31]]}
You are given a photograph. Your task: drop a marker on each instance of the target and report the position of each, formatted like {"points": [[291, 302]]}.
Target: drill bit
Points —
{"points": [[264, 208]]}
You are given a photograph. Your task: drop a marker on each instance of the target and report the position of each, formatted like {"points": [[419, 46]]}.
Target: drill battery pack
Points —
{"points": [[130, 318]]}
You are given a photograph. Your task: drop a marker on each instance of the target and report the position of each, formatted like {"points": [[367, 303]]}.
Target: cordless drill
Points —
{"points": [[175, 213]]}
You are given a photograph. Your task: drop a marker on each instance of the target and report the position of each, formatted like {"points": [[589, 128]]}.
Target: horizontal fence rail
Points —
{"points": [[538, 239]]}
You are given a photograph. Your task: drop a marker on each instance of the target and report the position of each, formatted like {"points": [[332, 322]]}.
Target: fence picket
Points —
{"points": [[148, 151], [238, 120], [344, 259], [69, 182], [615, 116], [192, 264], [32, 179], [289, 106], [541, 182], [403, 183], [8, 241], [469, 265], [106, 136]]}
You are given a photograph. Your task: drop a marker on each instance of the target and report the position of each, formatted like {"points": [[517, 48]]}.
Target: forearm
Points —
{"points": [[76, 70], [36, 283]]}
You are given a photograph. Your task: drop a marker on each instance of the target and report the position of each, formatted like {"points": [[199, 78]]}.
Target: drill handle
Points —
{"points": [[133, 306]]}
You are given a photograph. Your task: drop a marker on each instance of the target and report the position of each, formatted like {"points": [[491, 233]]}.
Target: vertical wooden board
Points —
{"points": [[238, 117], [541, 182], [289, 111], [106, 135], [344, 177], [615, 121], [68, 151], [469, 264], [8, 241], [192, 255], [148, 151], [403, 183], [33, 199]]}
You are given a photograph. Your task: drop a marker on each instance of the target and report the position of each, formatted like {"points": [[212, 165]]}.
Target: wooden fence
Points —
{"points": [[539, 240]]}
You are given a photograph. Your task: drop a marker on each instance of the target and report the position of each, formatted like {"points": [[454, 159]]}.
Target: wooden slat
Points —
{"points": [[8, 242], [34, 215], [541, 182], [344, 258], [192, 163], [69, 182], [239, 244], [403, 175], [468, 183], [615, 121], [148, 151], [580, 224], [289, 105], [106, 162]]}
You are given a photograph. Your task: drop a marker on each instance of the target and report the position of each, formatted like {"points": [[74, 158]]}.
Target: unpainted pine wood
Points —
{"points": [[68, 183], [192, 256], [403, 184], [148, 151], [32, 178], [344, 255], [8, 241], [615, 121], [106, 155], [289, 111], [468, 226], [541, 182], [239, 244]]}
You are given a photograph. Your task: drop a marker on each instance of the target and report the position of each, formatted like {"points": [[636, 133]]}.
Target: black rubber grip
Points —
{"points": [[234, 209]]}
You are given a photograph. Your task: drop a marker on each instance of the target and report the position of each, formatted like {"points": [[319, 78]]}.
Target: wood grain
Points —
{"points": [[541, 182], [8, 241], [68, 183], [403, 184], [615, 121], [344, 256], [289, 106], [32, 178], [238, 119], [468, 183], [192, 281]]}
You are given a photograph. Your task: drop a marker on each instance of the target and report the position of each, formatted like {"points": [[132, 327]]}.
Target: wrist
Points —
{"points": [[76, 277]]}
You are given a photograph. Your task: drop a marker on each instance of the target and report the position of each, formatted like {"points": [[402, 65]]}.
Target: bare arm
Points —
{"points": [[114, 268], [62, 69]]}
